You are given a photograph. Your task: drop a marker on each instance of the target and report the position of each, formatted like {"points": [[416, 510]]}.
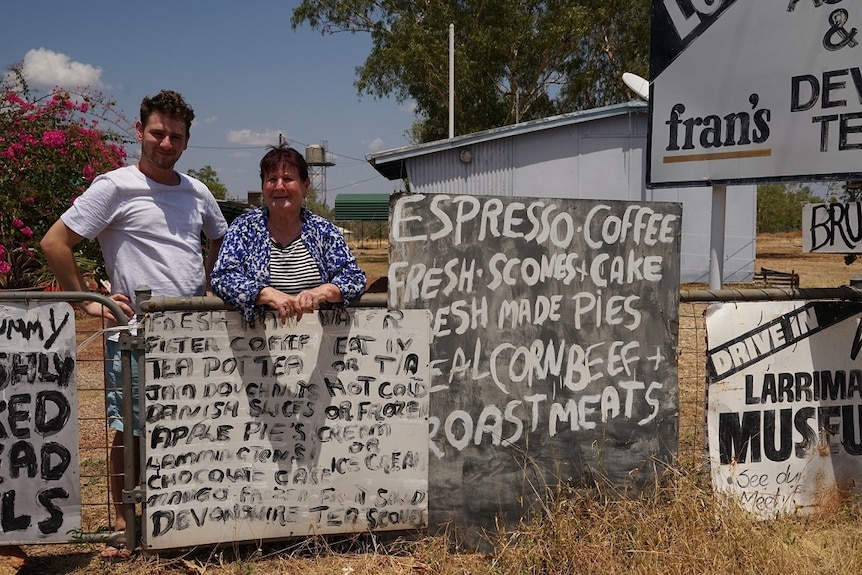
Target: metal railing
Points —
{"points": [[125, 358], [691, 356]]}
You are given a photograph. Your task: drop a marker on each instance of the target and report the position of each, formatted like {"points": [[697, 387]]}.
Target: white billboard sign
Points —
{"points": [[754, 90], [785, 403]]}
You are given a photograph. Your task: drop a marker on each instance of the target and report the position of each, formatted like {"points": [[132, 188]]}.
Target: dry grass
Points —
{"points": [[677, 526], [783, 252]]}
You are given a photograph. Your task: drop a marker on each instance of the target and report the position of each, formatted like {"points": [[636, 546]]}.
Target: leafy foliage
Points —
{"points": [[210, 178], [779, 206], [315, 205], [515, 60], [51, 148], [616, 40]]}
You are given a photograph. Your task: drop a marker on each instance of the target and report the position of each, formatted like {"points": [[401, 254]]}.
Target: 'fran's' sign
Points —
{"points": [[745, 91]]}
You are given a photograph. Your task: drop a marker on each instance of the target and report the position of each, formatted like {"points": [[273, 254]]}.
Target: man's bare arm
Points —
{"points": [[57, 245], [209, 262]]}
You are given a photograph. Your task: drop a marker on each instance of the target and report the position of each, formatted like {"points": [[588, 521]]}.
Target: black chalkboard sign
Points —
{"points": [[554, 330]]}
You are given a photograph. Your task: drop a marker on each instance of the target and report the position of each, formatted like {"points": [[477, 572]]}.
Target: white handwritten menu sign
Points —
{"points": [[554, 342], [785, 403], [273, 431], [40, 490]]}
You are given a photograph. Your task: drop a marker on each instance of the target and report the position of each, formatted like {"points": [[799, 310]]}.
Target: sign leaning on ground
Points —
{"points": [[554, 343], [754, 90], [785, 403], [40, 489], [832, 228], [271, 431]]}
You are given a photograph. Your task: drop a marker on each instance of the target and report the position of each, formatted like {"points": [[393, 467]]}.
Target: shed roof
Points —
{"points": [[391, 163], [362, 207]]}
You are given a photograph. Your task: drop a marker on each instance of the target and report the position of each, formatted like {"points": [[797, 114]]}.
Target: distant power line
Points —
{"points": [[355, 183], [360, 161], [262, 147], [228, 147]]}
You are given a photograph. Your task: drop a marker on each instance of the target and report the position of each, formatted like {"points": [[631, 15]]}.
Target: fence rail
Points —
{"points": [[769, 277], [691, 362]]}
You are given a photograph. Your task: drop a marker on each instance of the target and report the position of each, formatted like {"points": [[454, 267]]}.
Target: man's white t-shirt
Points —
{"points": [[150, 233]]}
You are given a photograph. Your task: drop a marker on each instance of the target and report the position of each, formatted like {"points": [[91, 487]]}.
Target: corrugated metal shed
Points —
{"points": [[591, 154], [362, 207]]}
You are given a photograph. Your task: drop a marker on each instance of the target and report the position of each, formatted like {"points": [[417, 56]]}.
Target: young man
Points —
{"points": [[148, 220]]}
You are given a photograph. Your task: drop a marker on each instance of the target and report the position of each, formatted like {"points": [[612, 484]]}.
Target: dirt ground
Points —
{"points": [[781, 252]]}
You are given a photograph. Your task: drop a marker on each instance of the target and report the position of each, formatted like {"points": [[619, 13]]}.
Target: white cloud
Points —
{"points": [[374, 145], [211, 119], [253, 138], [44, 68], [408, 107]]}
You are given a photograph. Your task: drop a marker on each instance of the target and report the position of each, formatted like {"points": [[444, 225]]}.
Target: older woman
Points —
{"points": [[281, 255]]}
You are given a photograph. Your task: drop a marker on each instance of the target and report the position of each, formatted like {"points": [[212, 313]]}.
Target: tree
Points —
{"points": [[779, 206], [209, 177], [515, 60], [51, 148], [615, 41], [315, 205]]}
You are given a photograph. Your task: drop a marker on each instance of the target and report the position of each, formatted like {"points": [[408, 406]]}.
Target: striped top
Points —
{"points": [[242, 268], [291, 267]]}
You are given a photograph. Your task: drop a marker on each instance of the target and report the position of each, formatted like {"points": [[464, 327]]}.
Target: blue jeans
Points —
{"points": [[114, 388]]}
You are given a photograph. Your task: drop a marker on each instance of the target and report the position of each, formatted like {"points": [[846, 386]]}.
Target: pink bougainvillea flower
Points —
{"points": [[50, 150], [53, 138]]}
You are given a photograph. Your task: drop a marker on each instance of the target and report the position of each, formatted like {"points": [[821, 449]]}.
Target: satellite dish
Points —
{"points": [[637, 84]]}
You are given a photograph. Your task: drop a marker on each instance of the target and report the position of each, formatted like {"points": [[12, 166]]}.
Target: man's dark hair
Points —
{"points": [[280, 155], [170, 104]]}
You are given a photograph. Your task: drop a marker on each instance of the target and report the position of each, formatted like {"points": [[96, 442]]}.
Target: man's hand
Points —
{"points": [[96, 309]]}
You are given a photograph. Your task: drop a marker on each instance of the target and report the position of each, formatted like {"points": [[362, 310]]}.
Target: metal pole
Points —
{"points": [[67, 296], [129, 353], [716, 238], [201, 303], [841, 293], [451, 80]]}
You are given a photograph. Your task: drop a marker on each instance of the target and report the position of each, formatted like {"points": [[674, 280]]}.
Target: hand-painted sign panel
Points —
{"points": [[272, 431], [785, 403], [40, 489], [832, 228], [554, 338]]}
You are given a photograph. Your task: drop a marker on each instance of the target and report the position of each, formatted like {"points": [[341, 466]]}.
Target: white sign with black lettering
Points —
{"points": [[754, 90], [785, 403], [272, 431], [40, 490], [832, 228]]}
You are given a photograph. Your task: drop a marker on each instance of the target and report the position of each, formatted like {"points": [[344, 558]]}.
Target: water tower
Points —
{"points": [[315, 157]]}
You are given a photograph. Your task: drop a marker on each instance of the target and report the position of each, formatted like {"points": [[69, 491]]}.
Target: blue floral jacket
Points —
{"points": [[242, 267]]}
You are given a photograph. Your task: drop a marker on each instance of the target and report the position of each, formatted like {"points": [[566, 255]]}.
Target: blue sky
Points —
{"points": [[248, 75]]}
